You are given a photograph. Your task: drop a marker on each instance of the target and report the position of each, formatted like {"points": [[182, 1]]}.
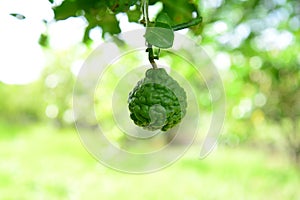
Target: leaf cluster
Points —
{"points": [[102, 13]]}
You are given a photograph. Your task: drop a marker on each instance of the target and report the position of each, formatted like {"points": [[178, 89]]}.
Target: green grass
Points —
{"points": [[40, 162]]}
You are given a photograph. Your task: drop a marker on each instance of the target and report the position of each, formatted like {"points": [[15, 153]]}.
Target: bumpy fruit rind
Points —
{"points": [[157, 101]]}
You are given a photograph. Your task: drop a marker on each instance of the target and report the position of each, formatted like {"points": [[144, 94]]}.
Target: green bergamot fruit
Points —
{"points": [[157, 101]]}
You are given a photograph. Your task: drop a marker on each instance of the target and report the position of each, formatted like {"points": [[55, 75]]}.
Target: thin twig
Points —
{"points": [[193, 22], [146, 13], [149, 49]]}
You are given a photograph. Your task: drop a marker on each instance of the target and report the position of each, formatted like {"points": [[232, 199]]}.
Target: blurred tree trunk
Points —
{"points": [[293, 140]]}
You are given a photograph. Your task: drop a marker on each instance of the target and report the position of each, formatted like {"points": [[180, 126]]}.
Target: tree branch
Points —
{"points": [[193, 22]]}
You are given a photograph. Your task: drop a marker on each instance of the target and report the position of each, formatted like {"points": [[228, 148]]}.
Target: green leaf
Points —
{"points": [[163, 17], [161, 35], [179, 12], [109, 24], [134, 15], [44, 40], [117, 6], [18, 16], [86, 37], [65, 10]]}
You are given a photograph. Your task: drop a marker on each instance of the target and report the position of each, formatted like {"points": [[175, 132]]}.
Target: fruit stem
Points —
{"points": [[145, 4], [151, 56], [146, 21]]}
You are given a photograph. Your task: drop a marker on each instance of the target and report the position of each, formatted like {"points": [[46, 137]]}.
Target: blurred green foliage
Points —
{"points": [[258, 39], [47, 99], [48, 163], [21, 109], [261, 39], [255, 45]]}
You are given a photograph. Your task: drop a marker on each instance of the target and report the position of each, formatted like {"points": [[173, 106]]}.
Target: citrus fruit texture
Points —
{"points": [[157, 101]]}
